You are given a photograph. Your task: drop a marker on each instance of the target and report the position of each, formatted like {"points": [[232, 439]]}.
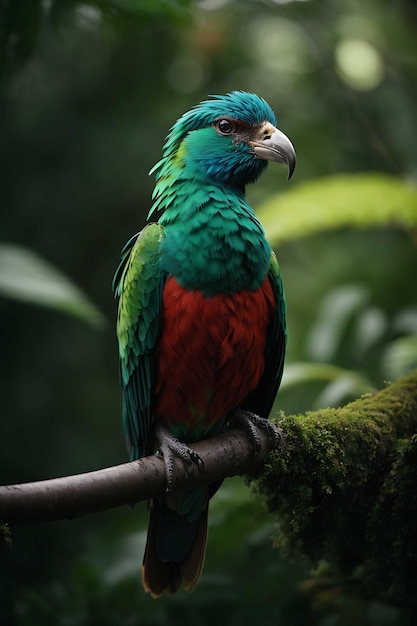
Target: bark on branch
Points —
{"points": [[228, 454]]}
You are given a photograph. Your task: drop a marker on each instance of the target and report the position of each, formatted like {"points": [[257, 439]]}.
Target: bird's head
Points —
{"points": [[227, 140]]}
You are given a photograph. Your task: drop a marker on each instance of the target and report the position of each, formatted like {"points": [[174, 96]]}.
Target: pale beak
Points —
{"points": [[272, 145]]}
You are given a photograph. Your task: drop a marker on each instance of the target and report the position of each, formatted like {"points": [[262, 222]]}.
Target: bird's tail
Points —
{"points": [[175, 550]]}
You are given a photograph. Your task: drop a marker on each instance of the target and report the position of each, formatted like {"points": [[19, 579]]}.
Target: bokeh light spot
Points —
{"points": [[279, 45], [359, 64]]}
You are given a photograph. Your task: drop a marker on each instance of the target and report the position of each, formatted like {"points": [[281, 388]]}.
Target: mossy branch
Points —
{"points": [[343, 487]]}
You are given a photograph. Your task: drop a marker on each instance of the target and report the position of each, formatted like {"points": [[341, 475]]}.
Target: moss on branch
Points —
{"points": [[343, 487]]}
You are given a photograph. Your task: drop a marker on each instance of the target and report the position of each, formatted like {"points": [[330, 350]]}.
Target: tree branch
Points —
{"points": [[228, 454], [343, 489], [330, 456], [342, 486]]}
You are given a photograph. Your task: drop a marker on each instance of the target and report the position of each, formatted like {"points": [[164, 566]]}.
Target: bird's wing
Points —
{"points": [[138, 283], [262, 398]]}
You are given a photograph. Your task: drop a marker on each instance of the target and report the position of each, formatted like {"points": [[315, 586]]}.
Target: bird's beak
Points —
{"points": [[271, 144]]}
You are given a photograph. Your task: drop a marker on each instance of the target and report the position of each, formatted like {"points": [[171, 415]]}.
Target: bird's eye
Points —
{"points": [[225, 126]]}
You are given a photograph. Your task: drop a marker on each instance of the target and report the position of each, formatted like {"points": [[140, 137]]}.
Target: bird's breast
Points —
{"points": [[217, 248], [210, 355]]}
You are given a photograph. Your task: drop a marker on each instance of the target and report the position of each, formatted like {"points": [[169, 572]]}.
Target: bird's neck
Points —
{"points": [[213, 240]]}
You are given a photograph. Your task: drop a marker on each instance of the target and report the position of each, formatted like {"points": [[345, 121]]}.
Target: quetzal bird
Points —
{"points": [[201, 314]]}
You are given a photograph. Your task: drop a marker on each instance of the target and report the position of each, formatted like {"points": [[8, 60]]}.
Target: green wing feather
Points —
{"points": [[262, 398], [138, 283]]}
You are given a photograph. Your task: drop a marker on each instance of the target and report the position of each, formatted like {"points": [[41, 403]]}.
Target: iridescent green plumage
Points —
{"points": [[138, 284], [201, 322]]}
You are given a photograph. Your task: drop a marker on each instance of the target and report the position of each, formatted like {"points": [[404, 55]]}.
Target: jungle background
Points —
{"points": [[88, 91]]}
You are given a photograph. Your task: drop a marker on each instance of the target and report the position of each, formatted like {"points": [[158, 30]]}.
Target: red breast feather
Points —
{"points": [[210, 355]]}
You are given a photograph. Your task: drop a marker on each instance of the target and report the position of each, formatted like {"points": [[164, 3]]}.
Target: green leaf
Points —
{"points": [[343, 200], [400, 357], [27, 277], [338, 382], [336, 310], [301, 372]]}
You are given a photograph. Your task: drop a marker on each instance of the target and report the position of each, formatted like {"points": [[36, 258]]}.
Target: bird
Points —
{"points": [[201, 321]]}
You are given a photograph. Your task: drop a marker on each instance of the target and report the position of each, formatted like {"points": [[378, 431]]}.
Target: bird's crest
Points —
{"points": [[241, 105]]}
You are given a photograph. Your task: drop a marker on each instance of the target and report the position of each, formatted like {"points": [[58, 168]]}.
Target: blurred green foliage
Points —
{"points": [[88, 90], [25, 276], [353, 200]]}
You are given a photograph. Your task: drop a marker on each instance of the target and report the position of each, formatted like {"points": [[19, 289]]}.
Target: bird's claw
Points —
{"points": [[171, 448], [252, 424]]}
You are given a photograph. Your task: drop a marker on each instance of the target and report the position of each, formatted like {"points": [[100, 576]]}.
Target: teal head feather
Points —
{"points": [[212, 141]]}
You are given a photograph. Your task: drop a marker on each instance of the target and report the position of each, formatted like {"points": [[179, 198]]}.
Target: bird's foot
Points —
{"points": [[171, 448], [252, 424]]}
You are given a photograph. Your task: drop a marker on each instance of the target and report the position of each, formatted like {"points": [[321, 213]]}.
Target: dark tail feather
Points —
{"points": [[163, 574], [192, 565]]}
